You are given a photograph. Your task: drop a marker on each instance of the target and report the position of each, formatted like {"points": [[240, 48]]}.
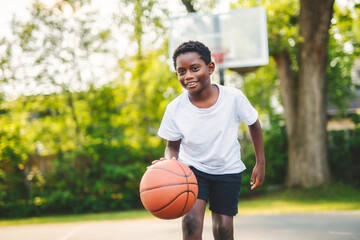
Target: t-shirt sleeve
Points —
{"points": [[168, 129], [246, 112]]}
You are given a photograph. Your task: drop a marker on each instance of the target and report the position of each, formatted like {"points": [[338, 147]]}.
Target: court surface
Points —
{"points": [[331, 225]]}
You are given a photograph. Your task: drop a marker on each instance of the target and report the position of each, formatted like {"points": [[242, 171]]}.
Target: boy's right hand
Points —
{"points": [[156, 161], [161, 159]]}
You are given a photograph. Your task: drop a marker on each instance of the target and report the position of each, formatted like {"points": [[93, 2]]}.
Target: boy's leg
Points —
{"points": [[192, 222], [224, 198], [223, 226]]}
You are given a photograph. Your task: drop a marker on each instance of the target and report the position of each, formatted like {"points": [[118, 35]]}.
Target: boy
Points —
{"points": [[200, 127]]}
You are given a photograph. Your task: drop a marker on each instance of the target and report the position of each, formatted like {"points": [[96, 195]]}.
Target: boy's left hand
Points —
{"points": [[258, 176]]}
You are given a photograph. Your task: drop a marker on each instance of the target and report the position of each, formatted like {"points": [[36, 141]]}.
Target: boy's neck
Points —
{"points": [[206, 98]]}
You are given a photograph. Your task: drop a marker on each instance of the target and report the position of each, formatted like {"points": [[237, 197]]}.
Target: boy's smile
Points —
{"points": [[193, 73]]}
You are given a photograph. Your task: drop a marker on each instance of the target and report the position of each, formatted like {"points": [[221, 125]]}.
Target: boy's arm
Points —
{"points": [[172, 149], [258, 174]]}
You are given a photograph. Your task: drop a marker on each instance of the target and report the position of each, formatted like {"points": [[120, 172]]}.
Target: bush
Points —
{"points": [[344, 152]]}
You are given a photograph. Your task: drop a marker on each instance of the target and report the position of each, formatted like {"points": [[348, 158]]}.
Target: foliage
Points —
{"points": [[335, 197], [97, 142], [53, 50], [344, 156], [145, 20], [265, 98], [104, 172], [342, 51], [282, 22], [12, 160], [84, 149]]}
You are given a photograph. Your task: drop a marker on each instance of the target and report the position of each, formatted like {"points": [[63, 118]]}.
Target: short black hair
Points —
{"points": [[193, 46]]}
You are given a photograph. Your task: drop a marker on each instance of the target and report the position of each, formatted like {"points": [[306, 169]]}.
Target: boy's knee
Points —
{"points": [[192, 225], [223, 231]]}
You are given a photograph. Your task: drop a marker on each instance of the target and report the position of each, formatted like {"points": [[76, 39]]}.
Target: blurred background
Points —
{"points": [[84, 85]]}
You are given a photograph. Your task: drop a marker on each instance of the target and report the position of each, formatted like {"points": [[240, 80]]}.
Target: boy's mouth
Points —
{"points": [[190, 84]]}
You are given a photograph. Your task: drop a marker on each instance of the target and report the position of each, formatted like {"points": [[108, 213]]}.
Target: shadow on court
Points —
{"points": [[330, 225]]}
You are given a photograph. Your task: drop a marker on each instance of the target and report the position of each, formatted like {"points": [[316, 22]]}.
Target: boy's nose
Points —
{"points": [[188, 75]]}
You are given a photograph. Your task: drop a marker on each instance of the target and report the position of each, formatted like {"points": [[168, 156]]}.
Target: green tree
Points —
{"points": [[101, 155], [146, 17], [50, 52], [343, 50]]}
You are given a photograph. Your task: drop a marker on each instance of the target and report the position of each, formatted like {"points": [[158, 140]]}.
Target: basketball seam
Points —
{"points": [[187, 184], [175, 184], [173, 201], [172, 171]]}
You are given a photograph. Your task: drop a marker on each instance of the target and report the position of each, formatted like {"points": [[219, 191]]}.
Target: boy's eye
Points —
{"points": [[181, 72], [195, 68]]}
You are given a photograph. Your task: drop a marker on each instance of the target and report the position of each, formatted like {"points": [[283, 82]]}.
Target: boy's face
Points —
{"points": [[192, 72]]}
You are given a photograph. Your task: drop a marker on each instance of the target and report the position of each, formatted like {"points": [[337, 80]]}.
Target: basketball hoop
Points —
{"points": [[218, 54], [219, 57]]}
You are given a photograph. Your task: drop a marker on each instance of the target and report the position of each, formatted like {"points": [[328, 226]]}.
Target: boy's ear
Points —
{"points": [[211, 67]]}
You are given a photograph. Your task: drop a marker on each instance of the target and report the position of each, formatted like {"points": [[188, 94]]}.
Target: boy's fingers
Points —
{"points": [[254, 185], [161, 159], [155, 161]]}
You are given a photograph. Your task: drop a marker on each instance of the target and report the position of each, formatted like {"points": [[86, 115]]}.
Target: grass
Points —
{"points": [[123, 215], [329, 198]]}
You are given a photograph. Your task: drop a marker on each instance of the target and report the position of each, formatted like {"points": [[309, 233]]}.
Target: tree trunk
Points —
{"points": [[306, 128]]}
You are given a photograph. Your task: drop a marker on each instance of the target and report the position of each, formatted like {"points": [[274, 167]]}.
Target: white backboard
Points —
{"points": [[241, 34]]}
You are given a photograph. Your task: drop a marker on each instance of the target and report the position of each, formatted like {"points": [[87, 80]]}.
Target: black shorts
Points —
{"points": [[221, 191]]}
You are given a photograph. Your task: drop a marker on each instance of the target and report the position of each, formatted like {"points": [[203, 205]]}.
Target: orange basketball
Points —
{"points": [[168, 189]]}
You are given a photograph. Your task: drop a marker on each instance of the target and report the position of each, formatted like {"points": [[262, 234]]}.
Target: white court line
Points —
{"points": [[73, 232]]}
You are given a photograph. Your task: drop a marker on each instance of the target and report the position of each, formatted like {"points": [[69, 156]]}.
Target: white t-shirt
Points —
{"points": [[209, 136]]}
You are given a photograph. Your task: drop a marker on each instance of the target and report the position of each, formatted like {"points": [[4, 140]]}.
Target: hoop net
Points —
{"points": [[219, 57]]}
